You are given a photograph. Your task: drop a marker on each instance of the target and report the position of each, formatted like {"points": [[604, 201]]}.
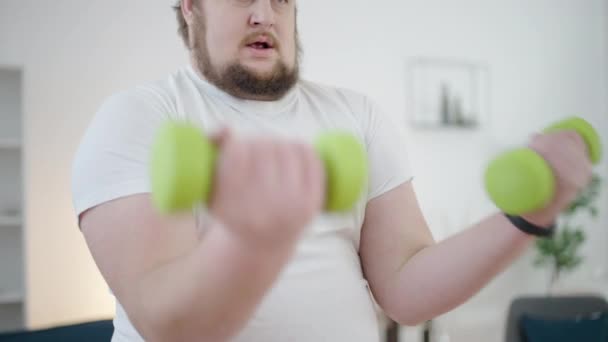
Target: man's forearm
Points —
{"points": [[443, 276], [208, 294]]}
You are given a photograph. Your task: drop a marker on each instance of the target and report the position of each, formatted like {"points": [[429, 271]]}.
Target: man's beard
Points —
{"points": [[238, 80]]}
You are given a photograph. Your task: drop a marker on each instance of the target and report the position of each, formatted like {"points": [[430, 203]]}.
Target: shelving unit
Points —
{"points": [[11, 298], [10, 221], [12, 289]]}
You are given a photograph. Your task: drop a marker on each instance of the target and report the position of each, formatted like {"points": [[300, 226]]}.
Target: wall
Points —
{"points": [[73, 55], [547, 60], [10, 128]]}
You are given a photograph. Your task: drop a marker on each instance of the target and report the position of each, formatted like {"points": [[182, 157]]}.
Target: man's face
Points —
{"points": [[246, 47]]}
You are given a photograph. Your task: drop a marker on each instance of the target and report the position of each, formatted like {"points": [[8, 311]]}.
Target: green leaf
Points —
{"points": [[593, 212]]}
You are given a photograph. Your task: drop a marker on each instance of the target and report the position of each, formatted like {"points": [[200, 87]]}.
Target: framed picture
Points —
{"points": [[447, 93]]}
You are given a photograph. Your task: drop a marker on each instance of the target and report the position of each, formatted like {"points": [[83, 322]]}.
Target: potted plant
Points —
{"points": [[561, 252]]}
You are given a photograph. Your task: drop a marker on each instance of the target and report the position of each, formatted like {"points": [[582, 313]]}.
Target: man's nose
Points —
{"points": [[262, 14]]}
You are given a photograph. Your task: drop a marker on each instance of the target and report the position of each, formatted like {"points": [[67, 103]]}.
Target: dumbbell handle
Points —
{"points": [[521, 181], [183, 161]]}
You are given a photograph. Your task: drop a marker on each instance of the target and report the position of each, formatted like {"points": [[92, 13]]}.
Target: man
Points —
{"points": [[266, 263]]}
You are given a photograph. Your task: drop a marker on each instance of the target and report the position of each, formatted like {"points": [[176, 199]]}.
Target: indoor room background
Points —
{"points": [[524, 64]]}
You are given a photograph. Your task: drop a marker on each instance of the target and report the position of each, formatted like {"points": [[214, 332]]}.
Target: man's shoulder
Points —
{"points": [[160, 90], [325, 89]]}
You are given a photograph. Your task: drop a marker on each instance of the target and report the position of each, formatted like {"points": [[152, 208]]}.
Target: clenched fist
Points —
{"points": [[266, 191], [566, 153]]}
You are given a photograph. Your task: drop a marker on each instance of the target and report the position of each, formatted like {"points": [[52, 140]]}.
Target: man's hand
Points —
{"points": [[566, 153], [266, 191]]}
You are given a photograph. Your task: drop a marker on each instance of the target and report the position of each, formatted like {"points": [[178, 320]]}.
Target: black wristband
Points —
{"points": [[530, 228]]}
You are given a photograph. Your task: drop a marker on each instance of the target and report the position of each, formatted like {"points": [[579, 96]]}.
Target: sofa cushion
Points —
{"points": [[99, 331], [589, 328]]}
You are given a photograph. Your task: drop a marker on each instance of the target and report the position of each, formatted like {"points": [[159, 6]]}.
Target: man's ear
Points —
{"points": [[187, 10]]}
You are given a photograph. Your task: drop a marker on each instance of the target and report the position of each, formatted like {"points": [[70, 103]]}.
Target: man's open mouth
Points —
{"points": [[261, 43], [260, 46]]}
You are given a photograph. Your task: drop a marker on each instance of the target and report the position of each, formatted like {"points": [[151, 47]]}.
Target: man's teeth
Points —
{"points": [[260, 45]]}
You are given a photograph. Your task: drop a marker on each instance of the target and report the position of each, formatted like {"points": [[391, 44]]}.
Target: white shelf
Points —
{"points": [[6, 221], [10, 144], [11, 297]]}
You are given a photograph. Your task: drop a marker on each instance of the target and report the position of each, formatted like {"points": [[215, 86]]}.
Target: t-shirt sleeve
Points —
{"points": [[389, 164], [112, 158]]}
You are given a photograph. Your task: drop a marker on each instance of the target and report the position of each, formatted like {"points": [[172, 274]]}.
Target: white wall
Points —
{"points": [[547, 60], [10, 104], [74, 54]]}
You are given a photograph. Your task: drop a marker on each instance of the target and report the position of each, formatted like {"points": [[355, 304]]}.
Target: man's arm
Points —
{"points": [[178, 286], [431, 278], [174, 284], [415, 279]]}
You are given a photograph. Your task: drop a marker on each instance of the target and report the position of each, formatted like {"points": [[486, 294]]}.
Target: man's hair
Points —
{"points": [[182, 28]]}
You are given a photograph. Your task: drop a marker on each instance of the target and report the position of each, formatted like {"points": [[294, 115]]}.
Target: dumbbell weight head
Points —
{"points": [[519, 181], [181, 167], [586, 131], [345, 163]]}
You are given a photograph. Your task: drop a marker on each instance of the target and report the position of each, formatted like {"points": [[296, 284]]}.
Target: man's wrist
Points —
{"points": [[540, 219], [531, 228]]}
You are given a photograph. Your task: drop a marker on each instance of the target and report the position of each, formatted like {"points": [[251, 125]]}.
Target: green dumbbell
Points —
{"points": [[521, 181], [183, 161]]}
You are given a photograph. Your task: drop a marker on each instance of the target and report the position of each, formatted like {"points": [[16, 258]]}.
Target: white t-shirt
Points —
{"points": [[321, 295]]}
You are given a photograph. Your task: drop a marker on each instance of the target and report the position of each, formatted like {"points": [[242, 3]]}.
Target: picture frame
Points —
{"points": [[447, 93]]}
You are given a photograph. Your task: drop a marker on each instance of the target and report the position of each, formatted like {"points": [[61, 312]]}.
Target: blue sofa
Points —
{"points": [[98, 331]]}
